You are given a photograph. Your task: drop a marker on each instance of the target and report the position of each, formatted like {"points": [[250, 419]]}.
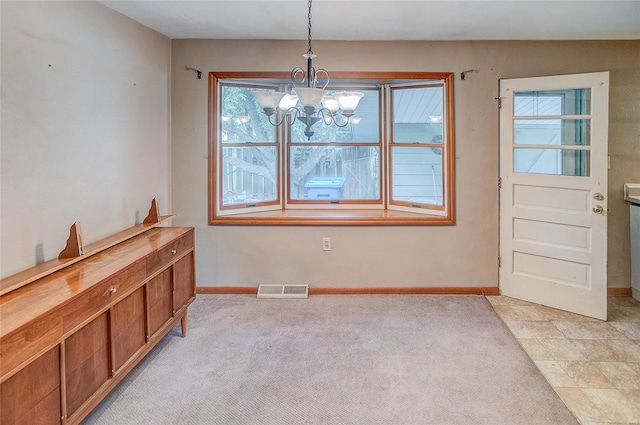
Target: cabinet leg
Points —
{"points": [[183, 324]]}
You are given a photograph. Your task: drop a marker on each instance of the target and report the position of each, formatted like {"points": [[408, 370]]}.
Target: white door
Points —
{"points": [[553, 200]]}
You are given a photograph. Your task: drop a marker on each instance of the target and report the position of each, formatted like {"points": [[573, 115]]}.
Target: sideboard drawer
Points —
{"points": [[103, 294], [165, 255]]}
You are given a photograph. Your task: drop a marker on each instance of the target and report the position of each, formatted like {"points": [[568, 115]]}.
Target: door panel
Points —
{"points": [[552, 234], [553, 168]]}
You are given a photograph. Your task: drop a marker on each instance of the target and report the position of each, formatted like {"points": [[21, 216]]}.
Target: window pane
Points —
{"points": [[553, 102], [249, 175], [242, 118], [562, 162], [364, 126], [552, 132], [418, 115], [417, 175], [335, 172]]}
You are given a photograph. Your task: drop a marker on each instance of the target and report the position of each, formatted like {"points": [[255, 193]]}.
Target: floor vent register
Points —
{"points": [[283, 291]]}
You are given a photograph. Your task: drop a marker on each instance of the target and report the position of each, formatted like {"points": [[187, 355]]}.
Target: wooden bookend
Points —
{"points": [[74, 243], [154, 215]]}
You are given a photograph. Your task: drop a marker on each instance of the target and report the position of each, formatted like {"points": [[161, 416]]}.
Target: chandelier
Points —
{"points": [[309, 104]]}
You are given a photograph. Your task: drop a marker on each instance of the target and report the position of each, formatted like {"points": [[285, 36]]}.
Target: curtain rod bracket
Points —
{"points": [[197, 71], [463, 74]]}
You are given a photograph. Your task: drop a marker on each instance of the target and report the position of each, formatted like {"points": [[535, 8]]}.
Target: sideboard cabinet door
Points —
{"points": [[129, 334], [87, 364], [184, 281], [160, 290], [32, 396]]}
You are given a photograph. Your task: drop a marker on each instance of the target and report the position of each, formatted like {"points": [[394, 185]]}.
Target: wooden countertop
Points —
{"points": [[25, 304]]}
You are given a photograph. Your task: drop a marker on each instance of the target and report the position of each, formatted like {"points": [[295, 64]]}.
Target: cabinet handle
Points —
{"points": [[173, 251], [113, 290]]}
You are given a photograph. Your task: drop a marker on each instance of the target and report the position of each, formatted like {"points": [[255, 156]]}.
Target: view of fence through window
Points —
{"points": [[319, 169], [249, 150], [339, 162]]}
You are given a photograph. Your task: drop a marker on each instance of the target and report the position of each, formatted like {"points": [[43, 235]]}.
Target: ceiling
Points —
{"points": [[388, 19]]}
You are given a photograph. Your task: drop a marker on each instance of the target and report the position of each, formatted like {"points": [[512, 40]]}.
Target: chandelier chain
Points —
{"points": [[309, 17]]}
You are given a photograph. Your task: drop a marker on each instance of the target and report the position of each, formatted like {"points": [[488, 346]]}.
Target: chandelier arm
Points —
{"points": [[347, 121], [291, 115], [324, 72], [328, 117], [276, 123], [298, 77]]}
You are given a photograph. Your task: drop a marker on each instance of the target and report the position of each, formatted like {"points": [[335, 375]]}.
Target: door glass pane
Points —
{"points": [[249, 174], [335, 172], [363, 127], [417, 175], [553, 102], [553, 132], [563, 162], [418, 114], [242, 118]]}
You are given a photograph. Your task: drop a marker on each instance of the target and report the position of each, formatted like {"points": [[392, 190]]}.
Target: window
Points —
{"points": [[417, 138], [552, 131], [392, 164]]}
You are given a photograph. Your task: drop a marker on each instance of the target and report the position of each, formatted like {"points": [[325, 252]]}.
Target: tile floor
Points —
{"points": [[593, 365]]}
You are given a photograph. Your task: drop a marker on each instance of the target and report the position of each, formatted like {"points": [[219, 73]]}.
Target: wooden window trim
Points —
{"points": [[345, 217]]}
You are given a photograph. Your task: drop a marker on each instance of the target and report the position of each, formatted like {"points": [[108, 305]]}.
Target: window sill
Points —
{"points": [[333, 218]]}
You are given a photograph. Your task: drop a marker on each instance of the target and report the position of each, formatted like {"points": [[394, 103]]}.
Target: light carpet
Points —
{"points": [[424, 359]]}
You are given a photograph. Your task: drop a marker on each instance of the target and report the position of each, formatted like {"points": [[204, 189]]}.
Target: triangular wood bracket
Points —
{"points": [[154, 214], [74, 243]]}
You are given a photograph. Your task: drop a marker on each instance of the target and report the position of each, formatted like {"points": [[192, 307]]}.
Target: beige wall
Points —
{"points": [[85, 125], [85, 137], [460, 255]]}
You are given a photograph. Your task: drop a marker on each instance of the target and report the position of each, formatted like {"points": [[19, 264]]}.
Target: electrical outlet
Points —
{"points": [[326, 244]]}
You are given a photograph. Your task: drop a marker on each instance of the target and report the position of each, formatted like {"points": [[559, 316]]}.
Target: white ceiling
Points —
{"points": [[388, 19]]}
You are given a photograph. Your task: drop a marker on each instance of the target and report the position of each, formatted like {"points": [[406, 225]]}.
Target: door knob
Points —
{"points": [[598, 209], [598, 196]]}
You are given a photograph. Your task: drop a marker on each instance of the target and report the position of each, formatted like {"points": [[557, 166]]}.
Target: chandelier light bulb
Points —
{"points": [[269, 100], [287, 102], [348, 101], [331, 103], [309, 97]]}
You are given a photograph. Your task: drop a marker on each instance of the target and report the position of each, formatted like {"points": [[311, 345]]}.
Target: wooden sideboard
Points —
{"points": [[68, 338]]}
